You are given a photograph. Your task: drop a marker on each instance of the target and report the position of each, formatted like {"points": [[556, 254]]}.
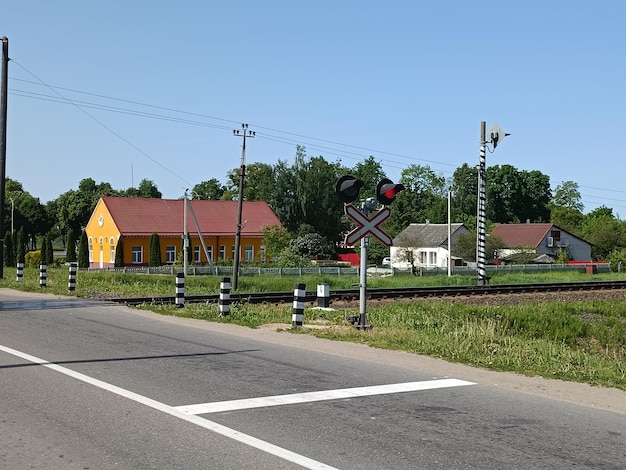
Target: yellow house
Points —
{"points": [[136, 219]]}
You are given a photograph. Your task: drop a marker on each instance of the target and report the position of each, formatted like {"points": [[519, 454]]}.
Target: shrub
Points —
{"points": [[32, 259]]}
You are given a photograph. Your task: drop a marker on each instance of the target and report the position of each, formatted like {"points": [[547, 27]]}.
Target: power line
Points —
{"points": [[313, 143], [100, 123]]}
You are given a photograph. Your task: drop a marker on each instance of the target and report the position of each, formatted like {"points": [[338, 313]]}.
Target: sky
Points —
{"points": [[122, 91]]}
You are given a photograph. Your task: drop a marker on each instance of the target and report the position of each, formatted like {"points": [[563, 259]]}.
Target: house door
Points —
{"points": [[101, 257]]}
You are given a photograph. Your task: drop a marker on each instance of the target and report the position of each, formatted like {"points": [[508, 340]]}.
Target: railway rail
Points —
{"points": [[349, 295]]}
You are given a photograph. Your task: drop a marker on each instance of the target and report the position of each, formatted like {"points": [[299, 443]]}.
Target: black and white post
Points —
{"points": [[43, 275], [323, 295], [495, 136], [224, 300], [71, 281], [481, 215], [297, 316], [180, 290]]}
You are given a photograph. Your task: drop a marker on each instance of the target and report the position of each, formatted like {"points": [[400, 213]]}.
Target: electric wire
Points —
{"points": [[355, 154]]}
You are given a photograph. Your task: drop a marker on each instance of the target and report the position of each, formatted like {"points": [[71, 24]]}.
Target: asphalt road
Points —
{"points": [[97, 386]]}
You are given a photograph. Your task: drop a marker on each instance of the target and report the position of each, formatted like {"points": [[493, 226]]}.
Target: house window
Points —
{"points": [[170, 254], [111, 254], [90, 250], [422, 257], [432, 258], [137, 255], [262, 256], [249, 253], [196, 254], [222, 251], [556, 235], [209, 250]]}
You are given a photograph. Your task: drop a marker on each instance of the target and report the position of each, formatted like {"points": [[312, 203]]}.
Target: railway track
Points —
{"points": [[349, 295]]}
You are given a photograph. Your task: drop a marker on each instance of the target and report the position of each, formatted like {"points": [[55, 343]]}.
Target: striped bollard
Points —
{"points": [[224, 302], [71, 282], [180, 289], [20, 272], [297, 317], [43, 275], [323, 295]]}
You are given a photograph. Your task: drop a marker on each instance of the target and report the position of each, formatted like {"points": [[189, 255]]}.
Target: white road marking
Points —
{"points": [[204, 423], [278, 400], [189, 413]]}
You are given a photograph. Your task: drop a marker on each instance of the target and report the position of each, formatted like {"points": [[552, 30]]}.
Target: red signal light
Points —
{"points": [[387, 190]]}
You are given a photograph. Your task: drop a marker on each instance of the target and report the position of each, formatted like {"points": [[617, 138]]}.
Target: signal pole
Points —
{"points": [[481, 220], [495, 136], [242, 175], [3, 142]]}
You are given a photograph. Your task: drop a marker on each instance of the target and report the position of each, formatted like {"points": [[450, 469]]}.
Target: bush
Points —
{"points": [[32, 259]]}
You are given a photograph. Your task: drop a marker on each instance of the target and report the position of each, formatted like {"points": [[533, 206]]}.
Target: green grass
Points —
{"points": [[583, 341]]}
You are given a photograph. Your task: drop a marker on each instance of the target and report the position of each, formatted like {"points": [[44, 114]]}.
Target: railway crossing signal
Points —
{"points": [[367, 225], [387, 190], [348, 188]]}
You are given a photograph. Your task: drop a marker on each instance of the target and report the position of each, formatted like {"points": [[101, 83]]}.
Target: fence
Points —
{"points": [[353, 271]]}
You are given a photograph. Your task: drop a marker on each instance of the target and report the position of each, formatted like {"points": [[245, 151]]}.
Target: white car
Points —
{"points": [[387, 262]]}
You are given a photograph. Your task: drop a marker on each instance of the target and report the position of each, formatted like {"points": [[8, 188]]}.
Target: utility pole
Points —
{"points": [[3, 143], [185, 236], [242, 176]]}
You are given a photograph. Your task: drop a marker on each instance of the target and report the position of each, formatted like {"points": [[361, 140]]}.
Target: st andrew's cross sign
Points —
{"points": [[367, 225]]}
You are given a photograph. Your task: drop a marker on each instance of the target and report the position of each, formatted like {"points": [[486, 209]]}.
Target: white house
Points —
{"points": [[424, 245]]}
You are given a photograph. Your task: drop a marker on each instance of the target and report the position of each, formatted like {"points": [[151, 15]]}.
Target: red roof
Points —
{"points": [[528, 235], [145, 216]]}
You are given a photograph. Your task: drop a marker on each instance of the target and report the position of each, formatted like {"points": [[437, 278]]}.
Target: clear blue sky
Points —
{"points": [[405, 81]]}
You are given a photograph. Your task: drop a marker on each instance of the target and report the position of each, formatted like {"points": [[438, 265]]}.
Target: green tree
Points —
{"points": [[9, 247], [259, 182], [119, 253], [155, 250], [275, 238], [566, 207], [617, 258], [21, 246], [9, 255], [74, 207], [44, 249], [370, 172], [70, 247], [424, 198], [83, 251], [515, 196], [148, 189], [604, 231], [464, 189], [304, 193], [208, 190], [49, 250], [465, 247]]}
